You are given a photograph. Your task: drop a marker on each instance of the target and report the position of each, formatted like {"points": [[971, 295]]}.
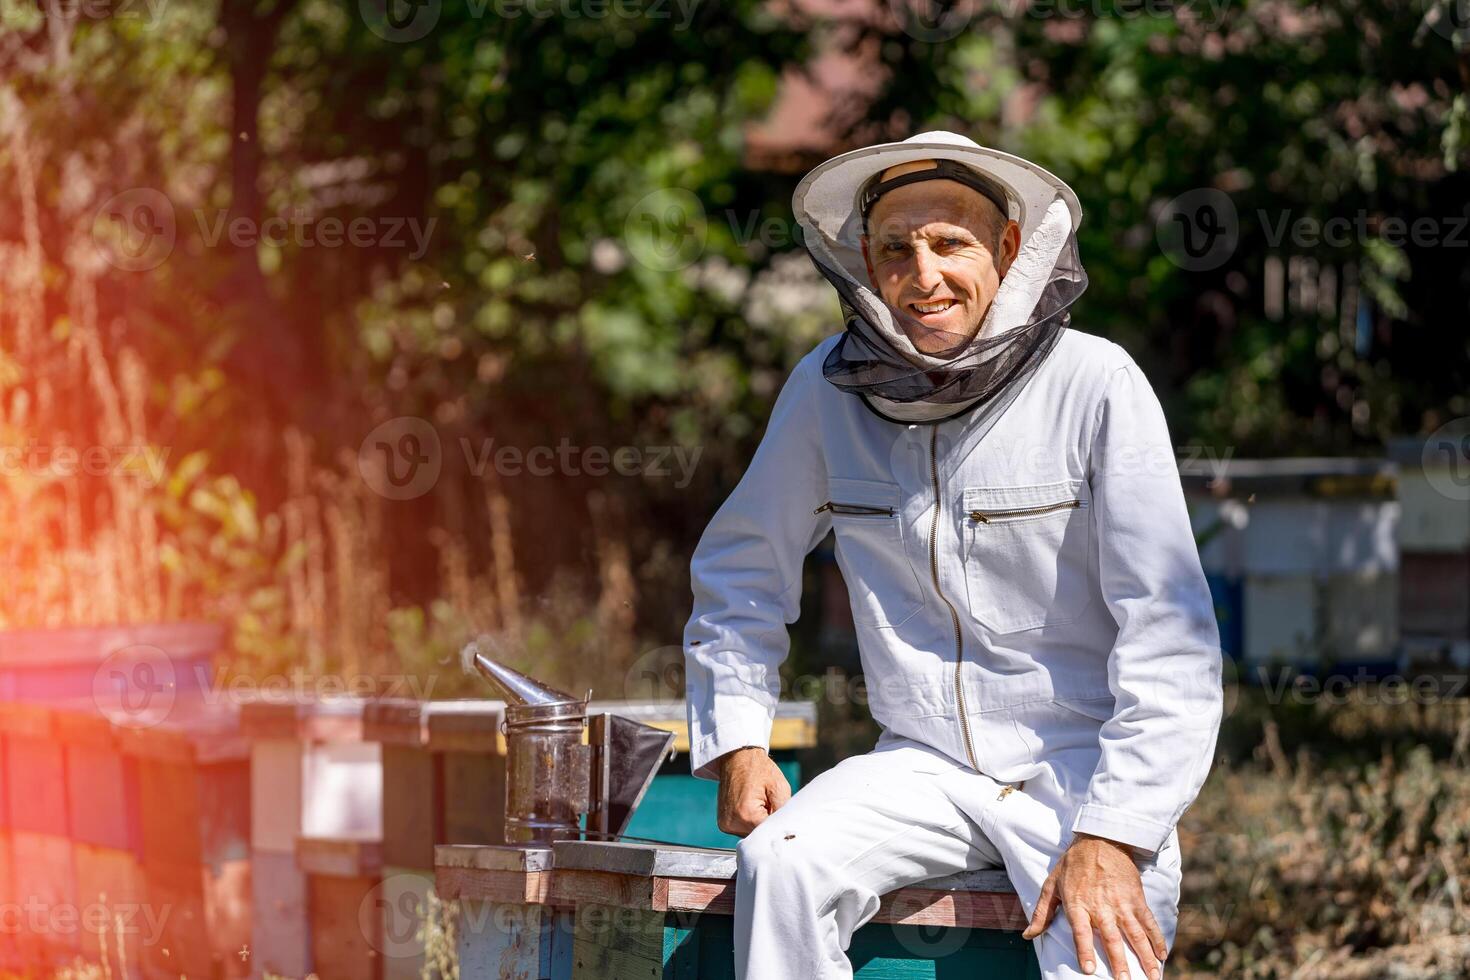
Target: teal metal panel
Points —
{"points": [[681, 809]]}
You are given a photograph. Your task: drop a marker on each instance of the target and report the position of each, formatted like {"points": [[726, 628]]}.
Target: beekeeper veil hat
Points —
{"points": [[875, 358]]}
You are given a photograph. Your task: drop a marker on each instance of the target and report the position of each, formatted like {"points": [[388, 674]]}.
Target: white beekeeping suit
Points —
{"points": [[1027, 593]]}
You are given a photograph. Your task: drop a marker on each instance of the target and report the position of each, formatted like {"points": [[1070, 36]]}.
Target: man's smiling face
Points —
{"points": [[937, 250]]}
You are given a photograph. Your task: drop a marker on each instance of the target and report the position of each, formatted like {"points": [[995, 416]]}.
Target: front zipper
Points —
{"points": [[959, 645], [855, 509], [987, 516]]}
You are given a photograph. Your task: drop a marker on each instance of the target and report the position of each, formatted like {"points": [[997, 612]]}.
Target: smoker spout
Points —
{"points": [[516, 687]]}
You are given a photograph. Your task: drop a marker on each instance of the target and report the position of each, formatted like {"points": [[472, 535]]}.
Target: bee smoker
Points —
{"points": [[560, 765]]}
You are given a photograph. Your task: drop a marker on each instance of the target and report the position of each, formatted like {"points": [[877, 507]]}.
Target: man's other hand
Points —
{"points": [[752, 788], [1097, 883]]}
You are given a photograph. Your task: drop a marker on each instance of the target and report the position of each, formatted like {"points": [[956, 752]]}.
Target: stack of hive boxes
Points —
{"points": [[1434, 542], [1302, 560]]}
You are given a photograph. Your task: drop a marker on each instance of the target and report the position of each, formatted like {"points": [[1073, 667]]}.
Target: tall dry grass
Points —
{"points": [[305, 584]]}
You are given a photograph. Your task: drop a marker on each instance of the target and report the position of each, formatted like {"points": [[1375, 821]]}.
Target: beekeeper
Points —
{"points": [[1037, 638]]}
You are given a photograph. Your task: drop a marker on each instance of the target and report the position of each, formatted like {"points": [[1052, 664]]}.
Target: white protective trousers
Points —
{"points": [[814, 871]]}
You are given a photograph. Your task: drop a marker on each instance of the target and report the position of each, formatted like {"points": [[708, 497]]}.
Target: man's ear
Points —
{"points": [[868, 261], [1010, 247]]}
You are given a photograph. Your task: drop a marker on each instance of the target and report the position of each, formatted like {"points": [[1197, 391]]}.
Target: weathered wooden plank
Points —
{"points": [[493, 857], [476, 884], [335, 720], [182, 944], [474, 797], [45, 889], [402, 901], [645, 860], [342, 857], [410, 801], [464, 726], [344, 940], [394, 721], [275, 794], [170, 814], [109, 884], [280, 941], [614, 942], [227, 907], [100, 772], [604, 888], [224, 811], [514, 942], [912, 906]]}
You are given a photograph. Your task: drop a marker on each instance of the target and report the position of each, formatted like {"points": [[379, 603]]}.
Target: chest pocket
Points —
{"points": [[1028, 552], [881, 582]]}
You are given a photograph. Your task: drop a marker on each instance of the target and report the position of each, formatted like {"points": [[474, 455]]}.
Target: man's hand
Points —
{"points": [[752, 788], [1098, 885]]}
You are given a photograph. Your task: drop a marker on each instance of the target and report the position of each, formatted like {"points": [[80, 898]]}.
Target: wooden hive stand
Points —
{"points": [[620, 910]]}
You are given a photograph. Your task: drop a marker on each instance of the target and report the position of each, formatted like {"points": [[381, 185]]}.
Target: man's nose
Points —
{"points": [[926, 269]]}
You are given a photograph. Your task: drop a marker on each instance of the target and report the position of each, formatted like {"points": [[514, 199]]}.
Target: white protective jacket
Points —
{"points": [[1024, 582]]}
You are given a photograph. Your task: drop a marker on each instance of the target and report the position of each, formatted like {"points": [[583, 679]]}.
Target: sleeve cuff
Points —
{"points": [[1121, 826], [747, 724]]}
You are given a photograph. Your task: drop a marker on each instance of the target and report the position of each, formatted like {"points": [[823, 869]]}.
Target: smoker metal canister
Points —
{"points": [[547, 771], [547, 765]]}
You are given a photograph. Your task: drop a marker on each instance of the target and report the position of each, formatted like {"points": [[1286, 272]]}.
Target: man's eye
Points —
{"points": [[952, 242], [894, 248]]}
